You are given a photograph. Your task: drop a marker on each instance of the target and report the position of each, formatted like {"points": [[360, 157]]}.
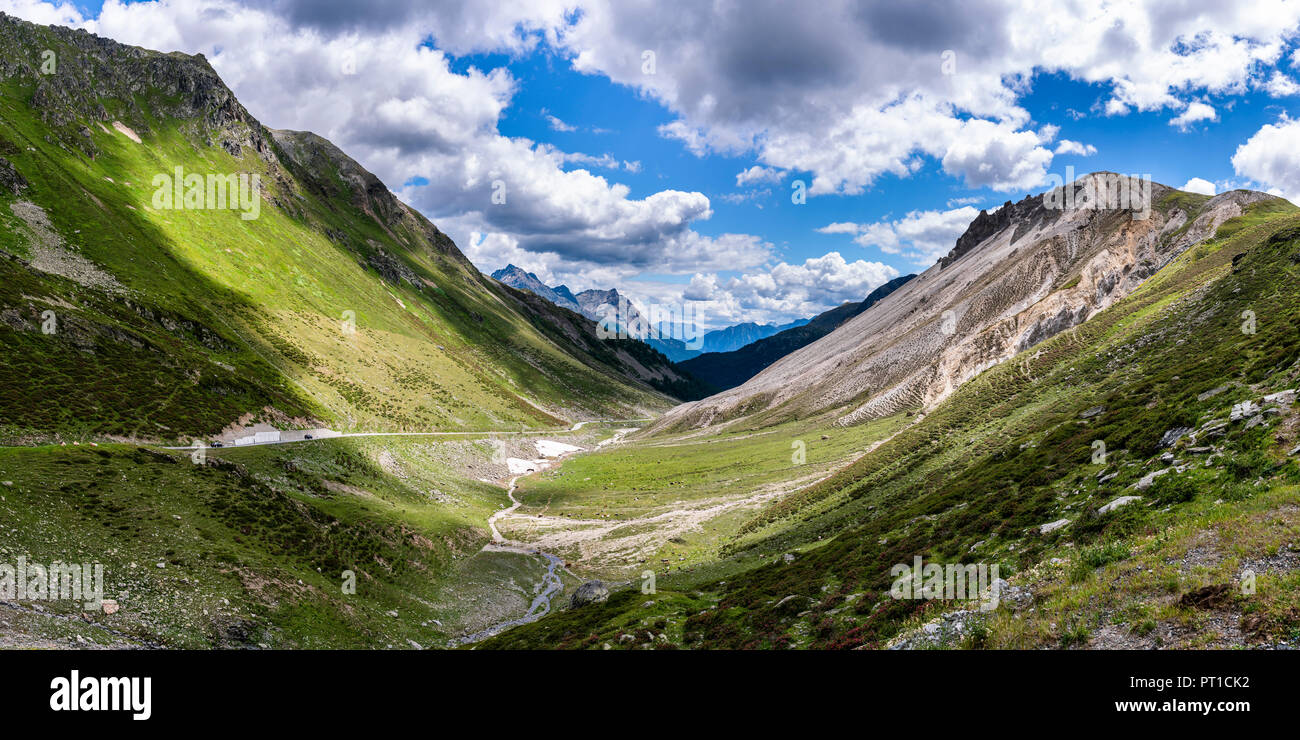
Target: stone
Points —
{"points": [[1281, 398], [1121, 501], [1211, 393], [591, 592], [10, 180], [1172, 436], [1052, 526], [1243, 410], [1145, 482]]}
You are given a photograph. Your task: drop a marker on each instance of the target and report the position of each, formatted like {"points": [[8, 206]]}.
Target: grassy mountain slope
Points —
{"points": [[1012, 450], [123, 322], [173, 323]]}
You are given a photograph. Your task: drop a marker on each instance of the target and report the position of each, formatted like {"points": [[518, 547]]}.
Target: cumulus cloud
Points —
{"points": [[922, 236], [1073, 147], [1194, 112], [1281, 86], [400, 108], [1271, 157], [758, 174], [854, 91], [1198, 185], [785, 291]]}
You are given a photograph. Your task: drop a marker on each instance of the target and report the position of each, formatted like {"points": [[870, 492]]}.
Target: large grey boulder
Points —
{"points": [[591, 592]]}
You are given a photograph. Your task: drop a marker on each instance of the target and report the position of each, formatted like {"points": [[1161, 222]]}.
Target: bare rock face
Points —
{"points": [[11, 181], [1017, 277]]}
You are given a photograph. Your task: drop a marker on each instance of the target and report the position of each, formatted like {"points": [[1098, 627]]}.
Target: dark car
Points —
{"points": [[217, 443], [306, 436]]}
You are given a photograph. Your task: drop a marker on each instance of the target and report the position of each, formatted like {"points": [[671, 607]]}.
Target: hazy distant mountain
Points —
{"points": [[722, 370], [597, 305], [734, 337], [517, 278]]}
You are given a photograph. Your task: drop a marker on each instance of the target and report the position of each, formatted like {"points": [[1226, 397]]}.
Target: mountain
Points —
{"points": [[616, 314], [734, 337], [517, 278], [1121, 396], [1015, 278], [722, 370], [172, 272], [617, 311], [353, 310]]}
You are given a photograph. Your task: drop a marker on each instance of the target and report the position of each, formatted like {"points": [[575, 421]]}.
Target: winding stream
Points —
{"points": [[550, 585]]}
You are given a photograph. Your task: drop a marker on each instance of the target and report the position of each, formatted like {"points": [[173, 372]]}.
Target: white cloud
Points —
{"points": [[786, 291], [558, 125], [758, 174], [701, 288], [1281, 86], [401, 110], [854, 91], [1271, 157], [923, 236], [1067, 146], [1198, 185], [1195, 111]]}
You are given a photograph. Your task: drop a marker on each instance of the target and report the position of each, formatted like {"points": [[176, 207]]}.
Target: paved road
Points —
{"points": [[516, 432]]}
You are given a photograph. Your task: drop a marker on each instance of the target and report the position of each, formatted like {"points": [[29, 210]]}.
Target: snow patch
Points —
{"points": [[548, 448]]}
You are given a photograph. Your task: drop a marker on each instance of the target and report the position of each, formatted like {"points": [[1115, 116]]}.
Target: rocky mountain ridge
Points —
{"points": [[1016, 277]]}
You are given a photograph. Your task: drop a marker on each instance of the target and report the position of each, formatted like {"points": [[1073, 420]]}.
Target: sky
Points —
{"points": [[757, 160]]}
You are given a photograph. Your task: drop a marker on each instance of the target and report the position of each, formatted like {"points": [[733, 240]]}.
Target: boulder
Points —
{"points": [[1243, 410], [591, 592], [1121, 501], [1171, 437], [1052, 526], [10, 180], [1145, 482], [1281, 398]]}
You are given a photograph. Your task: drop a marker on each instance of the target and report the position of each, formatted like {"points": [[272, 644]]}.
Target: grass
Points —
{"points": [[658, 477], [253, 544]]}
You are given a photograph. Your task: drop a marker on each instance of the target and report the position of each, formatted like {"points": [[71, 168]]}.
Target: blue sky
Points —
{"points": [[622, 178], [594, 115]]}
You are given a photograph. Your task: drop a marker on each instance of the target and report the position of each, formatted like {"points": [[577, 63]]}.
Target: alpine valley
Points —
{"points": [[323, 427]]}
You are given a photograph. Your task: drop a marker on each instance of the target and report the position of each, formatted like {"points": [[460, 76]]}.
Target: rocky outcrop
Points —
{"points": [[60, 65], [11, 181], [1017, 277]]}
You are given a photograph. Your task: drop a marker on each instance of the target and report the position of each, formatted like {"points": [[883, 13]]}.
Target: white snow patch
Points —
{"points": [[549, 448], [519, 467]]}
